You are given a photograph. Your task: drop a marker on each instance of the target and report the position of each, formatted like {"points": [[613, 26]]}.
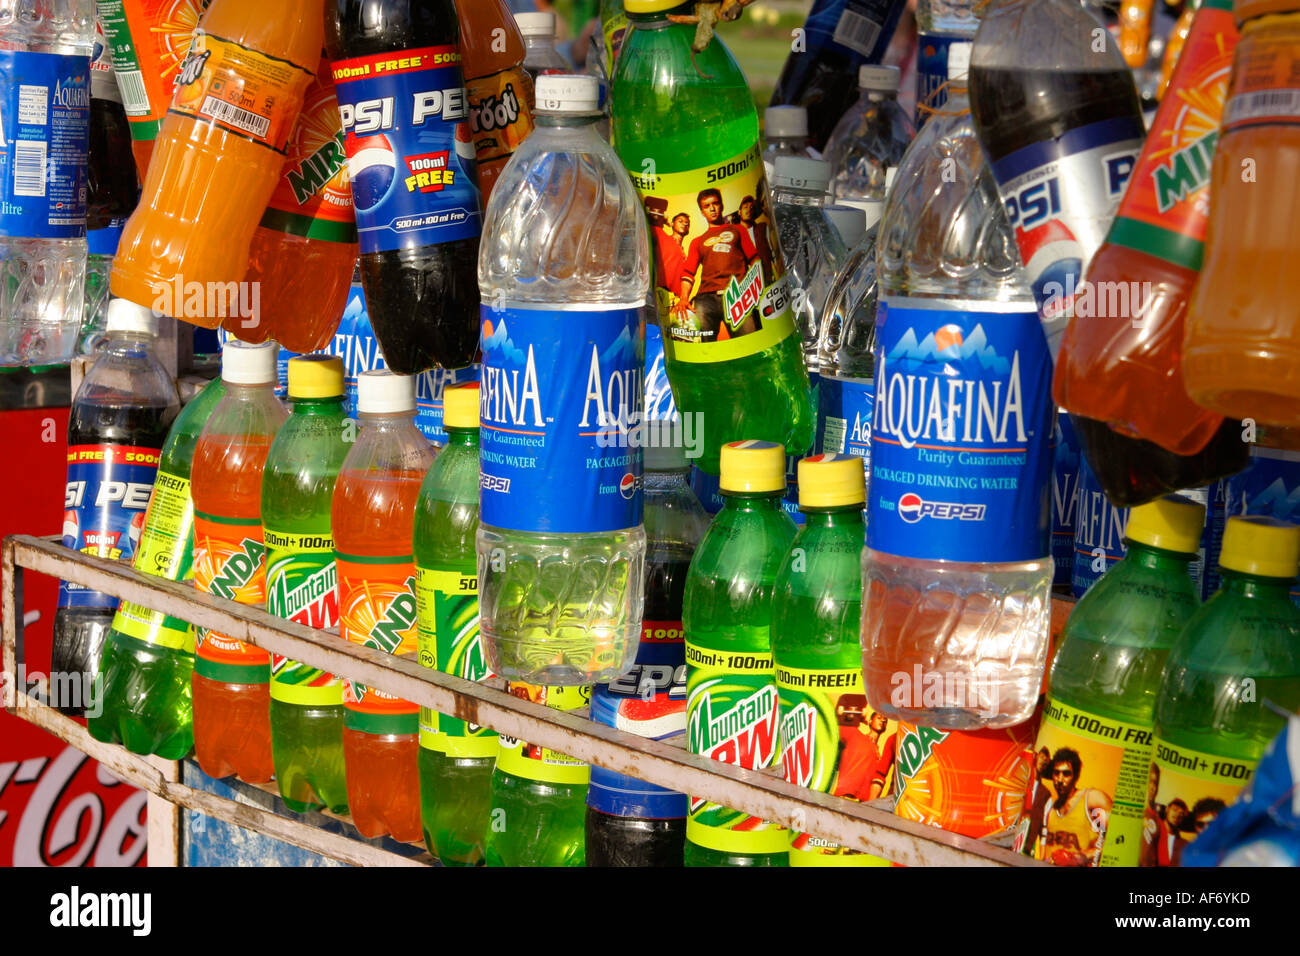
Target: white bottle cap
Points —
{"points": [[849, 221], [870, 208], [799, 172], [785, 122], [124, 316], [874, 77], [958, 60], [245, 364], [380, 392], [536, 24], [567, 93]]}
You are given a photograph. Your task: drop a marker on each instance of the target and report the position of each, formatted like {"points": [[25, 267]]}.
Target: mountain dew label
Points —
{"points": [[448, 640], [377, 609], [732, 715], [302, 586], [230, 562], [166, 550], [1185, 790], [522, 759]]}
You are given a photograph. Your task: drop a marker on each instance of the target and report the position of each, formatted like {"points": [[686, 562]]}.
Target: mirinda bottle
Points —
{"points": [[219, 154], [373, 516], [232, 680]]}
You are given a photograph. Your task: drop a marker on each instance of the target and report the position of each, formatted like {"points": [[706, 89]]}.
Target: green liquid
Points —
{"points": [[455, 805], [536, 824]]}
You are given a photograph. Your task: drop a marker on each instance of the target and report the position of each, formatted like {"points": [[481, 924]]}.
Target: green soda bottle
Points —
{"points": [[1232, 674], [1084, 803], [685, 127], [149, 656], [726, 616], [538, 803], [455, 758], [302, 582], [816, 609]]}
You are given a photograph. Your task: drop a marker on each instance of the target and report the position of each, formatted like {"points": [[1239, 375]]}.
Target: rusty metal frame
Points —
{"points": [[764, 794]]}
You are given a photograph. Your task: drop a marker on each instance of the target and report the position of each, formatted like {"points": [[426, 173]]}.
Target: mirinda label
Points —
{"points": [[377, 609], [230, 562]]}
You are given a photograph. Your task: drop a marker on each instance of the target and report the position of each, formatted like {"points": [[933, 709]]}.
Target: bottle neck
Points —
{"points": [[326, 405], [247, 391], [660, 480], [386, 421], [462, 437], [846, 516], [787, 196], [1255, 585], [751, 501], [1156, 559], [557, 121], [121, 341], [658, 19]]}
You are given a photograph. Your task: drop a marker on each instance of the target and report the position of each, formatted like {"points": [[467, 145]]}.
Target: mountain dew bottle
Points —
{"points": [[456, 757], [301, 582], [732, 708], [149, 656], [685, 127]]}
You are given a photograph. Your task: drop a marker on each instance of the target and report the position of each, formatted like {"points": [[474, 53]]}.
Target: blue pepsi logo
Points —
{"points": [[912, 508], [372, 165], [627, 487]]}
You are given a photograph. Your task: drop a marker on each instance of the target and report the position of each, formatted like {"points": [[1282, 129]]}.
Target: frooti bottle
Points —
{"points": [[414, 184], [148, 660], [456, 756], [1231, 677], [687, 130], [372, 515], [957, 574], [232, 680], [733, 713], [560, 586], [302, 582], [119, 422], [1099, 716]]}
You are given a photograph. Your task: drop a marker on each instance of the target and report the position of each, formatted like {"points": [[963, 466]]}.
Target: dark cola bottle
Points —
{"points": [[404, 112]]}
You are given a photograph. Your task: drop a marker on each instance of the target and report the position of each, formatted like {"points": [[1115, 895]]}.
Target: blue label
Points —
{"points": [[410, 155], [1065, 497], [932, 73], [1215, 521], [560, 407], [706, 489], [44, 137], [860, 29], [1269, 486], [961, 433], [659, 404], [844, 419], [103, 242], [1098, 532]]}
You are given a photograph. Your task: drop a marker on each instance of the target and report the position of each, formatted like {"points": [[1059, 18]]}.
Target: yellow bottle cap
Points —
{"points": [[1173, 523], [315, 376], [1253, 544], [752, 466], [832, 481], [460, 406], [650, 6]]}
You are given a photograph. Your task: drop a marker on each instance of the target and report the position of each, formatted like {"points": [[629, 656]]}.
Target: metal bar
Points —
{"points": [[11, 622], [851, 824], [164, 818]]}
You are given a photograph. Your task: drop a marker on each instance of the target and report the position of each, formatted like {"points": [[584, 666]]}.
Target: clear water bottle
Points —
{"points": [[958, 569], [45, 48], [564, 274], [101, 246], [939, 24], [869, 139], [785, 131], [811, 246], [540, 56]]}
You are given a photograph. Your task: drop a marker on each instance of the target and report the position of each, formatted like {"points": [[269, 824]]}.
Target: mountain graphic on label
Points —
{"points": [[497, 339], [621, 352], [947, 345], [1275, 501], [1064, 454]]}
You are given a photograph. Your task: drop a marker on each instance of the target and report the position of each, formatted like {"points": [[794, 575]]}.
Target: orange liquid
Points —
{"points": [[142, 150], [483, 24], [205, 189], [373, 512], [384, 784]]}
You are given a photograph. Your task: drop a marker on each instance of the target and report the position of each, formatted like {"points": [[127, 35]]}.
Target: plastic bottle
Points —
{"points": [[1238, 357], [111, 184], [785, 131], [727, 614], [816, 606], [958, 569], [372, 516], [537, 794], [939, 24], [1231, 677], [232, 680], [561, 587], [148, 659], [631, 822], [101, 246], [869, 140], [120, 416], [419, 277], [218, 155], [1102, 693], [456, 757], [302, 582], [736, 369], [541, 57], [1066, 469], [45, 110], [614, 27]]}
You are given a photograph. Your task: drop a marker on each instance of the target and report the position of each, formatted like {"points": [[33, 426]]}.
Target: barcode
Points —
{"points": [[29, 167], [228, 113], [856, 32], [1246, 106], [135, 98]]}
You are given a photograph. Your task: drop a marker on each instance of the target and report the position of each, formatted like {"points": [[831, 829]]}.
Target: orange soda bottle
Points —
{"points": [[218, 156], [232, 680], [373, 515]]}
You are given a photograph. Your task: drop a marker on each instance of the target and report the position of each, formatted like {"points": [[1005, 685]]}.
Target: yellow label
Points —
{"points": [[1187, 790], [522, 759], [166, 550]]}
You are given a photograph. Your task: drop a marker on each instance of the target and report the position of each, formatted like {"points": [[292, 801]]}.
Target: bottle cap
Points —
{"points": [[832, 481], [799, 172], [664, 450], [245, 364], [849, 221], [753, 466], [460, 405], [315, 376], [567, 93], [785, 122], [124, 316], [1254, 544], [1173, 523], [875, 77], [871, 208], [650, 6], [536, 24], [380, 392], [958, 60]]}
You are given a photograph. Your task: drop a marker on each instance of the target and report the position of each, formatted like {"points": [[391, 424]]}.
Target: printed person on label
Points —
{"points": [[723, 253], [754, 218], [866, 754], [670, 242], [1075, 822]]}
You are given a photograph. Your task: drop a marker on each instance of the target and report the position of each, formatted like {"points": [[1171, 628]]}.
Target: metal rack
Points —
{"points": [[865, 827]]}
